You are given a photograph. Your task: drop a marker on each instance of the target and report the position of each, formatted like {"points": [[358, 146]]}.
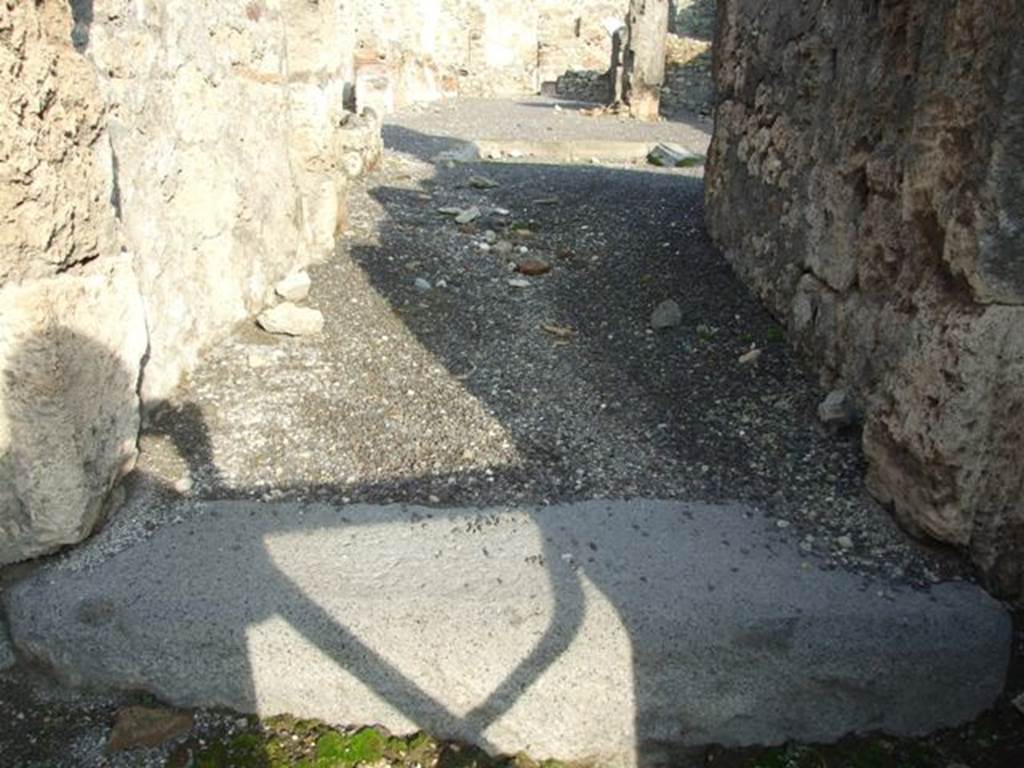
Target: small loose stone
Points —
{"points": [[667, 314]]}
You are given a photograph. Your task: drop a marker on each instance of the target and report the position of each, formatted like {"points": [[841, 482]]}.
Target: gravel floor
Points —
{"points": [[457, 394]]}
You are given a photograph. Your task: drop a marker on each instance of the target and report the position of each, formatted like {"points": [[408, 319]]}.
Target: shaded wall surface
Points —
{"points": [[162, 164], [865, 179]]}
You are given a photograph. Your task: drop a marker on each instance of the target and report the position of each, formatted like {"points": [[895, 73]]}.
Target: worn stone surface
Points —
{"points": [[531, 128], [876, 156], [492, 626]]}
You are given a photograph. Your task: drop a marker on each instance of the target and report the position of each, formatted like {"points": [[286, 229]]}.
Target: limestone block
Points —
{"points": [[629, 640], [294, 287], [70, 354]]}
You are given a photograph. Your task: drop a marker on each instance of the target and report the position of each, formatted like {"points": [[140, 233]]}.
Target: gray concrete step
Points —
{"points": [[608, 630]]}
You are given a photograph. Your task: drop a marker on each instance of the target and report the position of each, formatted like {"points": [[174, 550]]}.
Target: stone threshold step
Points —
{"points": [[610, 631]]}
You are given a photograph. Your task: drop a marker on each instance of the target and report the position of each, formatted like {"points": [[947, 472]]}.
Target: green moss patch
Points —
{"points": [[337, 750]]}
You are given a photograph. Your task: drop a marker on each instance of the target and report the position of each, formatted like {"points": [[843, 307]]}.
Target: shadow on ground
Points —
{"points": [[702, 425]]}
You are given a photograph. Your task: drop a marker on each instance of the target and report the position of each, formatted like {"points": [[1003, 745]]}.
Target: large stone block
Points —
{"points": [[71, 348], [72, 328], [607, 632], [946, 442]]}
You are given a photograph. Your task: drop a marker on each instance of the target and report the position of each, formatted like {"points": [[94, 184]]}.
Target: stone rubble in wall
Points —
{"points": [[583, 86], [688, 88]]}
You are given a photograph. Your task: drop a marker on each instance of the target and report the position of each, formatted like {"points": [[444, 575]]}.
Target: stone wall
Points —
{"points": [[866, 179], [431, 49], [483, 48], [574, 36], [688, 84], [692, 18], [163, 163], [224, 118]]}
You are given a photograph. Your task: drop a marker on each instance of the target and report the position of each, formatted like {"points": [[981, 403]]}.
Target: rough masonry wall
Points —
{"points": [[430, 49], [866, 179], [162, 164], [223, 116], [63, 279], [437, 48]]}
